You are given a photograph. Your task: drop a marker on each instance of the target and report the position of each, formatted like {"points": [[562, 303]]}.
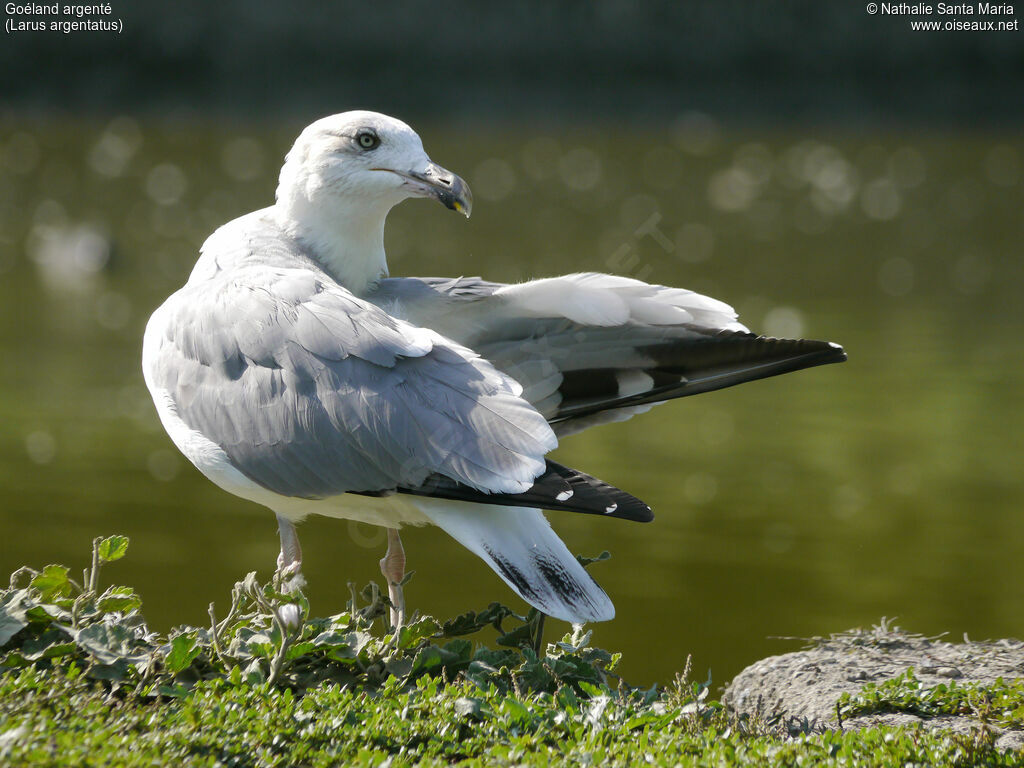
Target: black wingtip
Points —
{"points": [[595, 497], [559, 488], [824, 351], [708, 361]]}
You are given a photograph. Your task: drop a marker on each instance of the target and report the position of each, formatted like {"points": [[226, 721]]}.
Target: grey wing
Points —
{"points": [[592, 348], [313, 392]]}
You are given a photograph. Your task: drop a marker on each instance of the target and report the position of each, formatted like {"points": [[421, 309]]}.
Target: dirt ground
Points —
{"points": [[799, 690]]}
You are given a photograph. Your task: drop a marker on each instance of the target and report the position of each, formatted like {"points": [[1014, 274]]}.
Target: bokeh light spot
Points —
{"points": [[166, 184]]}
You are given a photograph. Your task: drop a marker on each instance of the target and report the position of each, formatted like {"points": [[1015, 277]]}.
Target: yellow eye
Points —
{"points": [[367, 140]]}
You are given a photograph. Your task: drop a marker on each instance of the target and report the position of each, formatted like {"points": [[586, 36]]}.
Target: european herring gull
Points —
{"points": [[293, 372]]}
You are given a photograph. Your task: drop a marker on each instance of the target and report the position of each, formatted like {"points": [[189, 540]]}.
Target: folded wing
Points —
{"points": [[313, 392]]}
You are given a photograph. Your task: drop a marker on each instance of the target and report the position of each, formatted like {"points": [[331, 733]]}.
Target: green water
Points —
{"points": [[801, 505]]}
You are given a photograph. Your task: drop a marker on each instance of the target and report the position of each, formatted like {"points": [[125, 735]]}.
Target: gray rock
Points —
{"points": [[799, 691]]}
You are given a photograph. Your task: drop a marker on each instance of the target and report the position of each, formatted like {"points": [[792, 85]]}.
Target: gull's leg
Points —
{"points": [[392, 566], [291, 552], [289, 564]]}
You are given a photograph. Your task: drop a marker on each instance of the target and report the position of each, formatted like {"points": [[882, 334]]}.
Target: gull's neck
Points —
{"points": [[345, 236]]}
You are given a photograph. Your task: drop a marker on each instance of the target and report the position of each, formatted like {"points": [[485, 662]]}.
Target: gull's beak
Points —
{"points": [[443, 185]]}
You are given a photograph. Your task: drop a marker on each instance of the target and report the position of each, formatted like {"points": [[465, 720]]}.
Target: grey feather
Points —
{"points": [[313, 392], [582, 374]]}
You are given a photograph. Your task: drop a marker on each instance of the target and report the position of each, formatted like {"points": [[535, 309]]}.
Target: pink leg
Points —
{"points": [[289, 564], [392, 567], [291, 552]]}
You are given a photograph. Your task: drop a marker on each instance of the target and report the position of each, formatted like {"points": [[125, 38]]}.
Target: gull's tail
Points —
{"points": [[518, 543]]}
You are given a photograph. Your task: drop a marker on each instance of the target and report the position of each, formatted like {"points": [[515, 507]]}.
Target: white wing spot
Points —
{"points": [[564, 496], [633, 383], [612, 508]]}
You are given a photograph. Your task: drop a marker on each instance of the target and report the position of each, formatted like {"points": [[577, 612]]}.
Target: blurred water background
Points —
{"points": [[797, 506]]}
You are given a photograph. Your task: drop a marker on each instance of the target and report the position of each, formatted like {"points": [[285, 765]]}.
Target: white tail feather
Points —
{"points": [[520, 546]]}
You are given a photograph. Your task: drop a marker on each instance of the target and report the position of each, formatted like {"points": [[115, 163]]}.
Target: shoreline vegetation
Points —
{"points": [[83, 681]]}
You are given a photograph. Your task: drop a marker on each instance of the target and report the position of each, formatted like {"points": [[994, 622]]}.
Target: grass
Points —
{"points": [[83, 682], [1000, 703]]}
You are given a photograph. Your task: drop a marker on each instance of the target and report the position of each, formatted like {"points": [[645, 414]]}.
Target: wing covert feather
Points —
{"points": [[313, 392]]}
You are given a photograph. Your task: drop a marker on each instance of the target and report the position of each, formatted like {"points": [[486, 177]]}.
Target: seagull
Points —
{"points": [[292, 371]]}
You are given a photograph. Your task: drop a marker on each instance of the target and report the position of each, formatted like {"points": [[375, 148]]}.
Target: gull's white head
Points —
{"points": [[340, 179], [366, 158]]}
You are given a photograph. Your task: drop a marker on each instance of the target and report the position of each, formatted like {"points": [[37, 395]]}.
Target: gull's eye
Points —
{"points": [[367, 140]]}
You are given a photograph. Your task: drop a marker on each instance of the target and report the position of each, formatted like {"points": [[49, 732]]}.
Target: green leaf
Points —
{"points": [[262, 650], [516, 711], [465, 624], [345, 647], [467, 706], [521, 636], [116, 672], [253, 674], [13, 659], [173, 691], [10, 625], [109, 643], [496, 658], [52, 582], [121, 599], [299, 649], [461, 648], [45, 613], [574, 668], [470, 622], [183, 652], [113, 548], [399, 668], [535, 676], [567, 698], [411, 634], [427, 660], [332, 638], [50, 644]]}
